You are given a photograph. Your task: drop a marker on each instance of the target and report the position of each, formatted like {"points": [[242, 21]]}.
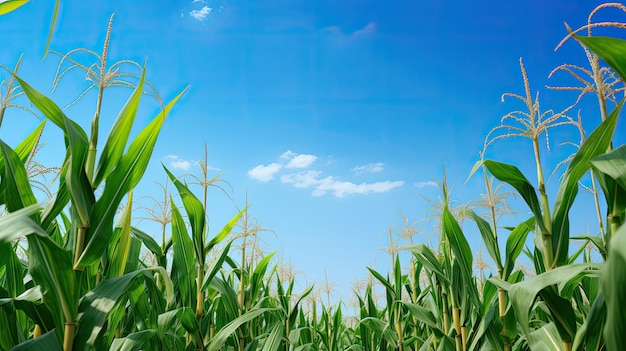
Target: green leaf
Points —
{"points": [[489, 237], [122, 247], [216, 266], [512, 176], [611, 50], [613, 287], [225, 230], [147, 240], [11, 5], [613, 164], [545, 338], [133, 341], [515, 244], [195, 213], [48, 342], [18, 224], [118, 136], [126, 176], [597, 143], [43, 104], [183, 273], [52, 25], [425, 255], [272, 342], [15, 181], [96, 305], [229, 329], [590, 333]]}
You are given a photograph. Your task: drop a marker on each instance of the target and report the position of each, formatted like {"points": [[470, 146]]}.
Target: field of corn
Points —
{"points": [[74, 273]]}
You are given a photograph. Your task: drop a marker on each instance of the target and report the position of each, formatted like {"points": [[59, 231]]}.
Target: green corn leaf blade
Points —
{"points": [[223, 233], [613, 287], [133, 341], [195, 213], [523, 294], [96, 305], [122, 249], [293, 314], [273, 341], [229, 329], [52, 25], [590, 333], [462, 252], [611, 50], [613, 164], [58, 202], [11, 5], [512, 176], [228, 297], [391, 293], [216, 266], [382, 330], [76, 179], [18, 224], [256, 282], [43, 104], [126, 176], [423, 315], [489, 237], [515, 244], [48, 341], [426, 257], [597, 241], [133, 255], [184, 315], [148, 241], [30, 302], [118, 136], [51, 267], [19, 194], [562, 313], [183, 272], [545, 338], [597, 144], [26, 146]]}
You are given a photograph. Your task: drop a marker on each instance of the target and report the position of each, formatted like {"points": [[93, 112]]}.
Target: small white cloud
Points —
{"points": [[297, 160], [429, 183], [176, 162], [264, 173], [369, 29], [321, 186], [369, 168], [201, 14], [195, 1]]}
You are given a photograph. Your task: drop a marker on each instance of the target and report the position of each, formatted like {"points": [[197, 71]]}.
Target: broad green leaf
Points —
{"points": [[512, 176], [26, 146], [613, 287], [426, 257], [613, 164], [52, 25], [11, 5], [611, 50], [76, 179], [216, 266], [489, 237], [147, 240], [118, 136], [133, 341], [98, 303], [122, 249], [423, 315], [183, 272], [18, 224], [195, 214], [223, 334], [225, 230], [523, 294], [597, 143], [43, 104], [15, 181], [272, 342], [515, 244], [126, 176], [545, 338], [48, 342], [590, 333]]}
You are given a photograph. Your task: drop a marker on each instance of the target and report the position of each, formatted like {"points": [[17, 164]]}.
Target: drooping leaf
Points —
{"points": [[611, 50], [515, 244], [223, 334], [48, 342], [11, 5]]}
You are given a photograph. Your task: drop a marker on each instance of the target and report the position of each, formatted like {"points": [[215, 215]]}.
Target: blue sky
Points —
{"points": [[333, 117]]}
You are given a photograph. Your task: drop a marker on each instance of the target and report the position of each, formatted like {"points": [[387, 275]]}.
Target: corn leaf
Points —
{"points": [[597, 143], [183, 272], [611, 50], [272, 342], [11, 5], [613, 287], [52, 25], [133, 341], [613, 164], [223, 334], [126, 176], [118, 136], [515, 244], [49, 342]]}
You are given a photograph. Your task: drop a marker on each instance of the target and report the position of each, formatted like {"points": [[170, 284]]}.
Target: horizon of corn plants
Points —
{"points": [[73, 276]]}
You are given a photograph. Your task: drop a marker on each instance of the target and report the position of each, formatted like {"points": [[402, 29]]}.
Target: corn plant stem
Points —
{"points": [[456, 318], [567, 345], [545, 205], [597, 203], [399, 331], [464, 337], [80, 246], [37, 331], [68, 338], [446, 317], [93, 142]]}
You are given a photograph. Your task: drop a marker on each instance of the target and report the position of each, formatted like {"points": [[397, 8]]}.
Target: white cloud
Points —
{"points": [[178, 163], [369, 29], [201, 14], [195, 1], [321, 186], [264, 173], [429, 183], [298, 160], [369, 168]]}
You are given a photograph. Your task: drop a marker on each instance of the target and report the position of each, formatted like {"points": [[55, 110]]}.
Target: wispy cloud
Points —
{"points": [[264, 173], [366, 31], [321, 186], [369, 168], [176, 162], [426, 184], [297, 160], [369, 29], [201, 14], [195, 1]]}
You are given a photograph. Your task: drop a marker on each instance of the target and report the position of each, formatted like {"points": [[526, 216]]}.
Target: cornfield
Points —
{"points": [[75, 274]]}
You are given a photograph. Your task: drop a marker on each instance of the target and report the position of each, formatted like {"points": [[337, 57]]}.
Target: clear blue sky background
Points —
{"points": [[335, 117]]}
